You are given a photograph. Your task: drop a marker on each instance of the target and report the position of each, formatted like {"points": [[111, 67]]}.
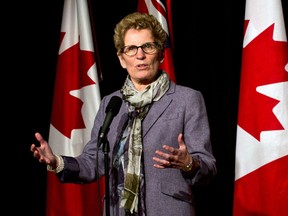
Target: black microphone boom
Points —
{"points": [[112, 110]]}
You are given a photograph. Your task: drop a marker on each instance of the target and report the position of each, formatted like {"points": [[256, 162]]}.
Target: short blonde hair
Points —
{"points": [[139, 21]]}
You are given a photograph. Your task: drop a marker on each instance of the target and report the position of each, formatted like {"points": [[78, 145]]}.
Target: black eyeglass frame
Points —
{"points": [[152, 44]]}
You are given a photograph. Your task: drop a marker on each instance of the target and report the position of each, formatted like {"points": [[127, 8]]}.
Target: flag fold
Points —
{"points": [[75, 104], [261, 177]]}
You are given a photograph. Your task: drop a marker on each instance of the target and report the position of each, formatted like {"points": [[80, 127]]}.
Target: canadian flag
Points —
{"points": [[261, 164], [75, 104], [162, 11]]}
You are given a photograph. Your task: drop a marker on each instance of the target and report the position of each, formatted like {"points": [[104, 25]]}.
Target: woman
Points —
{"points": [[159, 140]]}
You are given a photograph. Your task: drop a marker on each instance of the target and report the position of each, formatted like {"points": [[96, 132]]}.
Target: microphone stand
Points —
{"points": [[106, 150]]}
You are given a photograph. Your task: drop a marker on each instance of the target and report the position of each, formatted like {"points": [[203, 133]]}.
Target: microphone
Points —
{"points": [[112, 110]]}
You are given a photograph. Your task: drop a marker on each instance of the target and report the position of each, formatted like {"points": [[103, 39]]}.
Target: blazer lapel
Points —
{"points": [[157, 109]]}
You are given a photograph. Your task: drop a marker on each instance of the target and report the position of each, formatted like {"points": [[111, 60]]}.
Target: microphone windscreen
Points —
{"points": [[114, 105]]}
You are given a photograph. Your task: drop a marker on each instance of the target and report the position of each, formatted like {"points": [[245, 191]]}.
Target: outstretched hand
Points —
{"points": [[173, 157], [44, 152]]}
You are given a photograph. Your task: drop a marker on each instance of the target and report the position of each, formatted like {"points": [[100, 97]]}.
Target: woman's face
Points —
{"points": [[142, 67]]}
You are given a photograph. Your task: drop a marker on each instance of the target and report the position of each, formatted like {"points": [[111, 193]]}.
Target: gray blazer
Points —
{"points": [[168, 191]]}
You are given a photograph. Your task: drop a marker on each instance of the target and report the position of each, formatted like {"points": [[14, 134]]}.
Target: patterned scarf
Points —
{"points": [[141, 102]]}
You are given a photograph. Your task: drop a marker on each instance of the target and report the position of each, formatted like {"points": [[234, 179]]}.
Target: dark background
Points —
{"points": [[207, 56]]}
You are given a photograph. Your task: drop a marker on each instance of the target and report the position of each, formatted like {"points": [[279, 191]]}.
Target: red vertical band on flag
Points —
{"points": [[261, 177], [170, 23], [164, 16], [75, 103]]}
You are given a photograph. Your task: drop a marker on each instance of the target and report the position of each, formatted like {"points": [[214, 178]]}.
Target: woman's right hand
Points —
{"points": [[44, 152]]}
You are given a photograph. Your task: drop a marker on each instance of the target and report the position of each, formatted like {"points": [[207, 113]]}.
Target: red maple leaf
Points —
{"points": [[263, 63], [71, 74]]}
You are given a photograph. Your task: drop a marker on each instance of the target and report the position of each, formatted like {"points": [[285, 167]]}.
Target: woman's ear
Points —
{"points": [[161, 57], [122, 61]]}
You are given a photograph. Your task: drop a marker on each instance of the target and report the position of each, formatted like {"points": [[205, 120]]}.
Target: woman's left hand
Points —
{"points": [[173, 157]]}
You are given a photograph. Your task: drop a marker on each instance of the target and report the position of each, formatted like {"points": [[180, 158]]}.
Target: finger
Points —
{"points": [[170, 149], [162, 166], [162, 162], [158, 166], [38, 137], [162, 154], [181, 140], [33, 148], [36, 154]]}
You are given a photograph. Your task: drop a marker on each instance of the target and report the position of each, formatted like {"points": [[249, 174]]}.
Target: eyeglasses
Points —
{"points": [[148, 48]]}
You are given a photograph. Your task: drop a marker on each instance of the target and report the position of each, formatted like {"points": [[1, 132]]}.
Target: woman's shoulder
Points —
{"points": [[186, 96], [181, 89], [110, 95], [106, 98]]}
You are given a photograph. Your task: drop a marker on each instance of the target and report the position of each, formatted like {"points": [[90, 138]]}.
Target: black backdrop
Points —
{"points": [[207, 56]]}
